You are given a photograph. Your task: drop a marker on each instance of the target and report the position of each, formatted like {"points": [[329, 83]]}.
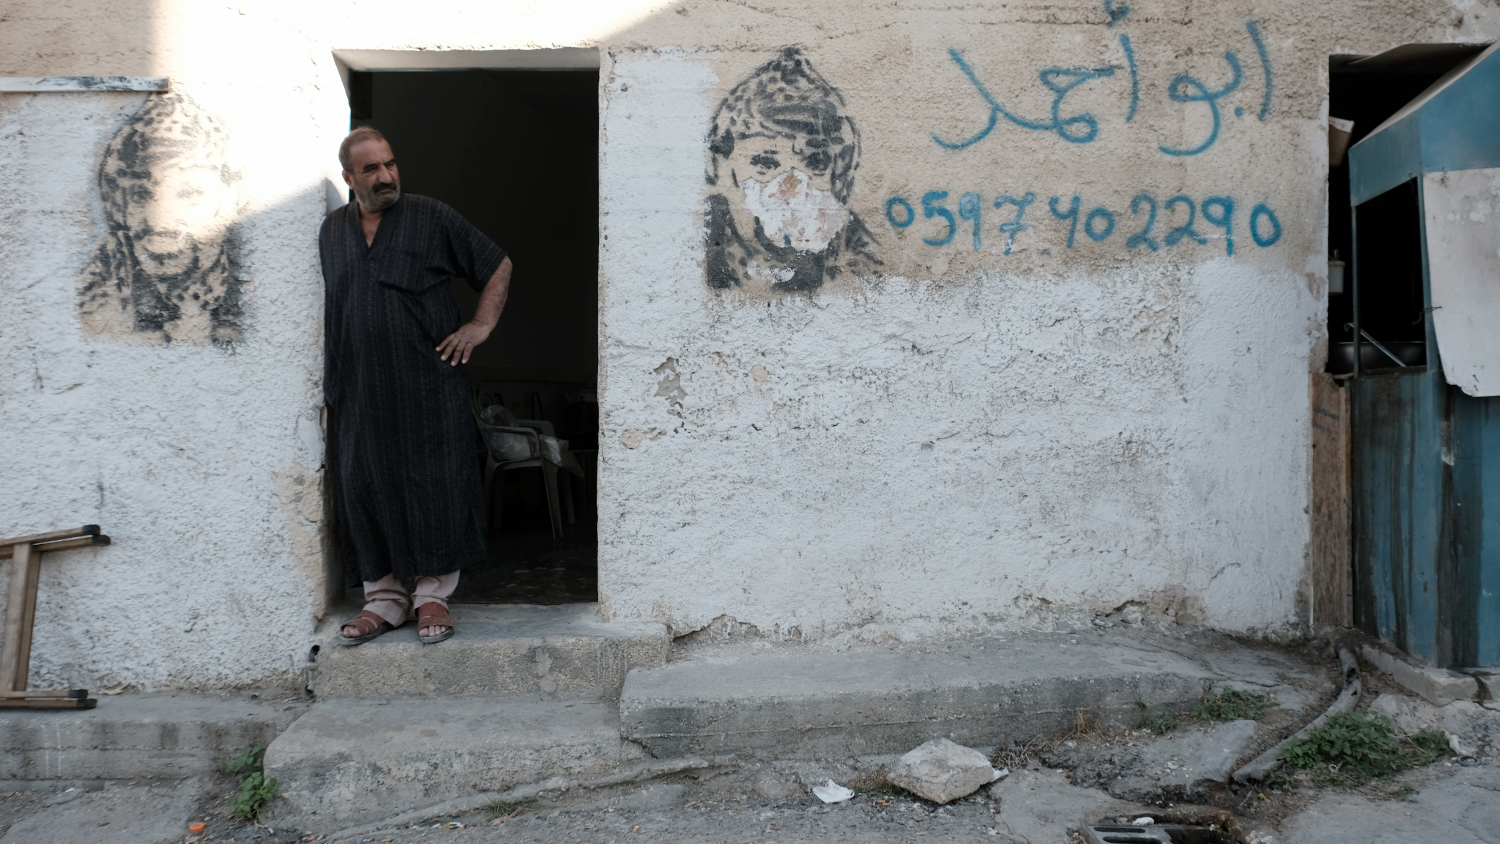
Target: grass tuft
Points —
{"points": [[1352, 748], [255, 790], [1232, 705]]}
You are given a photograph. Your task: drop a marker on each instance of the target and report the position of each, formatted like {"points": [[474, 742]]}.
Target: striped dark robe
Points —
{"points": [[406, 481]]}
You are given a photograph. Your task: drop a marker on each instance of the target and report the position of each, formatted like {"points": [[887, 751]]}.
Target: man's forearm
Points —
{"points": [[492, 299]]}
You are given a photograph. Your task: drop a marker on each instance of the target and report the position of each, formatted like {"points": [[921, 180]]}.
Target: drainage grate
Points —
{"points": [[1120, 834], [1169, 833]]}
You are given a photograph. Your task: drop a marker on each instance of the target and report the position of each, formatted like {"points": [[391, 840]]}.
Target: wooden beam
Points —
{"points": [[52, 536], [49, 703], [20, 610], [76, 694], [81, 542], [1330, 547]]}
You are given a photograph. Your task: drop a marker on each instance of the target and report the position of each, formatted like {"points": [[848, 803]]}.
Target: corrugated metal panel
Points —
{"points": [[1476, 529], [1398, 479], [1426, 549]]}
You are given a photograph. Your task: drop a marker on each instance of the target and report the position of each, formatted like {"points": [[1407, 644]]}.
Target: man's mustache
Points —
{"points": [[381, 187]]}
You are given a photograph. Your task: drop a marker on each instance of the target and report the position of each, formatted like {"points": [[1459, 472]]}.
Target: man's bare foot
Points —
{"points": [[434, 623], [362, 628]]}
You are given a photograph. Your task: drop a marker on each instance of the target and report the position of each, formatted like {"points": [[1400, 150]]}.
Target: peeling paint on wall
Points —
{"points": [[299, 496], [168, 268]]}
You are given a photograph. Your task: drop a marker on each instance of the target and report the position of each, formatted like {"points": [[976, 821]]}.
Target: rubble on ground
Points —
{"points": [[1182, 765], [1476, 724], [942, 771]]}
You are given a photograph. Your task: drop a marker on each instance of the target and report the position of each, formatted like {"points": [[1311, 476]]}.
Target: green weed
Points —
{"points": [[502, 809], [1159, 724], [249, 760], [1354, 748], [255, 790], [1232, 705]]}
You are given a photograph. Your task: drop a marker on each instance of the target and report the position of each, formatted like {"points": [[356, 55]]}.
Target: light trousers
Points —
{"points": [[389, 598]]}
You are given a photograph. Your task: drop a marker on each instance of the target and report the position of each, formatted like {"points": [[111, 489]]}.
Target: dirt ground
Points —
{"points": [[1445, 802], [1039, 801]]}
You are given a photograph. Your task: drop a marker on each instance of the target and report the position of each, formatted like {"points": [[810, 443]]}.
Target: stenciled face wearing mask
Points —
{"points": [[794, 212]]}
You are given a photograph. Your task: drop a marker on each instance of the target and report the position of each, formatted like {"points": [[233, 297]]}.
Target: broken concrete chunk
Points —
{"points": [[1473, 723], [1439, 686], [1181, 767], [942, 771]]}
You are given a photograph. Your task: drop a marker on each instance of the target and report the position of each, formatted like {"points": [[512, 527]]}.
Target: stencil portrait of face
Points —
{"points": [[782, 156], [167, 270]]}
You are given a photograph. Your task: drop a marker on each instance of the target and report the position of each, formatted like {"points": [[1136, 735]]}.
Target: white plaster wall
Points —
{"points": [[917, 450], [970, 436], [976, 436], [201, 462]]}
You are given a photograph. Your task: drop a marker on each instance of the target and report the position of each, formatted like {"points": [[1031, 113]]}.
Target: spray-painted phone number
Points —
{"points": [[1178, 216]]}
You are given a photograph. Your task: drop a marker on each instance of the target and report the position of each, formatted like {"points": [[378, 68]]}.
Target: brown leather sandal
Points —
{"points": [[433, 614], [367, 626]]}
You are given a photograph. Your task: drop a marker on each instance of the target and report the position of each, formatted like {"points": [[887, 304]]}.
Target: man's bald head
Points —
{"points": [[359, 135], [370, 169]]}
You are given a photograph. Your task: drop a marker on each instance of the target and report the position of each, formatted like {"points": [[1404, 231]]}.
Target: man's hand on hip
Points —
{"points": [[460, 344]]}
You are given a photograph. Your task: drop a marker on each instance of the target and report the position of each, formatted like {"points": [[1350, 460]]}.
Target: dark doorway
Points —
{"points": [[517, 152], [1390, 262]]}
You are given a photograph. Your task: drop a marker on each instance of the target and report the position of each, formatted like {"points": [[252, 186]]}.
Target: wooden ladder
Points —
{"points": [[20, 616]]}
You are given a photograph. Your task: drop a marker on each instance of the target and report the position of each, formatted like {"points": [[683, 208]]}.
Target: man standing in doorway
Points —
{"points": [[401, 439]]}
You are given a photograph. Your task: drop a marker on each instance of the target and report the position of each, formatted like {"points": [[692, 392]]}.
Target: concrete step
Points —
{"points": [[357, 761], [508, 648], [808, 702], [140, 736]]}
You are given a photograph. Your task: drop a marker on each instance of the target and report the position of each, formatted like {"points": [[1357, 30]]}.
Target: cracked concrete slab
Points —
{"points": [[1463, 808], [357, 761], [865, 701], [1180, 766], [155, 814]]}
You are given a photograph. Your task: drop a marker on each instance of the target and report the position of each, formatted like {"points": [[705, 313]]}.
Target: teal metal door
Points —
{"points": [[1426, 459], [1425, 453]]}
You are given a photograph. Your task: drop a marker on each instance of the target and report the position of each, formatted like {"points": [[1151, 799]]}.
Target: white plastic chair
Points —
{"points": [[531, 431]]}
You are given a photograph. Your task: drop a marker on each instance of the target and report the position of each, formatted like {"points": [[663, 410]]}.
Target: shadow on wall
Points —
{"points": [[168, 269], [783, 155]]}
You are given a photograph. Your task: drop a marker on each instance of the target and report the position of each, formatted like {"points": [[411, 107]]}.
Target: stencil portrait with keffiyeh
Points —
{"points": [[782, 154], [167, 270]]}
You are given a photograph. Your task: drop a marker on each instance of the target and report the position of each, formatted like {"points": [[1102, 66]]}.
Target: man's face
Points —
{"points": [[177, 217], [802, 136], [374, 179], [786, 173]]}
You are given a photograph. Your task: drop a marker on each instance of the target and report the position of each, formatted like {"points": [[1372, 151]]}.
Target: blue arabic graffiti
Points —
{"points": [[1099, 224], [1060, 81], [1083, 127], [1265, 64], [1187, 89], [1116, 13]]}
